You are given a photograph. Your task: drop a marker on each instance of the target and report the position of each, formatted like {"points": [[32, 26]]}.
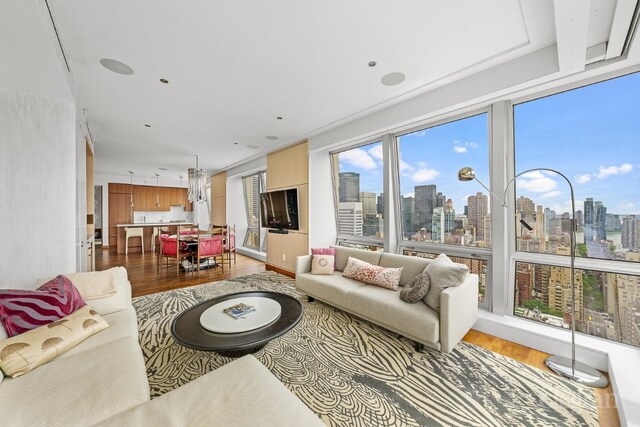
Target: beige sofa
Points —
{"points": [[103, 381], [419, 322]]}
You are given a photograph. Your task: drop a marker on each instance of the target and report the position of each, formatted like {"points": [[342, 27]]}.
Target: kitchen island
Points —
{"points": [[134, 244]]}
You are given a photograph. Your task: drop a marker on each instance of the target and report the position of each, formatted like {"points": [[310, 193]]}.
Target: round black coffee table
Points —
{"points": [[187, 330]]}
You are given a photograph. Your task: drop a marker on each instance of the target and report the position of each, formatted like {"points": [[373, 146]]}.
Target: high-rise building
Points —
{"points": [[524, 282], [440, 200], [579, 218], [380, 204], [527, 207], [350, 218], [478, 208], [600, 221], [540, 232], [437, 225], [372, 225], [560, 292], [613, 222], [349, 187], [589, 235], [425, 203], [409, 217], [369, 203], [629, 308], [630, 237], [449, 217]]}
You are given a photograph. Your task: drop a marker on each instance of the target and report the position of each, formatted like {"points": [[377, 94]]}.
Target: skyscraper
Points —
{"points": [[349, 187], [588, 220], [369, 203], [440, 199], [478, 208], [408, 217], [630, 233], [600, 221], [425, 203], [437, 225], [350, 218]]}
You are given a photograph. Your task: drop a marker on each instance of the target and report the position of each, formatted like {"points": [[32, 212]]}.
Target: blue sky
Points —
{"points": [[591, 134]]}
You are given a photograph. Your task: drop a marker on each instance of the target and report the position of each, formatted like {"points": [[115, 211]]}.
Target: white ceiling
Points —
{"points": [[234, 66]]}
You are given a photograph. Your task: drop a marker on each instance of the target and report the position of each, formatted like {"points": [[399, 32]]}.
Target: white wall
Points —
{"points": [[37, 190]]}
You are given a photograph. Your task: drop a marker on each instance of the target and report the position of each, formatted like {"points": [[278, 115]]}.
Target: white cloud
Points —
{"points": [[459, 149], [424, 175], [536, 182], [419, 133], [412, 194], [605, 171], [422, 164], [358, 158], [376, 152], [551, 194], [583, 179], [404, 166]]}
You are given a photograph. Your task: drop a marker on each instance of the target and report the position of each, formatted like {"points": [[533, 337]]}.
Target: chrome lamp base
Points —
{"points": [[583, 374]]}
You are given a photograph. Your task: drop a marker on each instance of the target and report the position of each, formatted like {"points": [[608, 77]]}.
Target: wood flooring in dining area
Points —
{"points": [[145, 279]]}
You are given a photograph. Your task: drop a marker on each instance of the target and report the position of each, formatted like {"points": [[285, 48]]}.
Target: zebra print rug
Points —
{"points": [[353, 373]]}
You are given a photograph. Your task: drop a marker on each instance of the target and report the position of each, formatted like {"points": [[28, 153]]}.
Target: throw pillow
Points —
{"points": [[444, 274], [95, 284], [325, 251], [372, 274], [416, 289], [22, 354], [322, 264], [22, 310]]}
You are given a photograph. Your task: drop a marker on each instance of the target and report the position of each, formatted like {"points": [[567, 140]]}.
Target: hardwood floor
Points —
{"points": [[145, 279]]}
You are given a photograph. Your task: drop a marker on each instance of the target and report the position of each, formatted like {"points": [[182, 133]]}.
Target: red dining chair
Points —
{"points": [[211, 248], [169, 249]]}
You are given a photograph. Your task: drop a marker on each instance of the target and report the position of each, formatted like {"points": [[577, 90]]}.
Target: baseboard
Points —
{"points": [[288, 273]]}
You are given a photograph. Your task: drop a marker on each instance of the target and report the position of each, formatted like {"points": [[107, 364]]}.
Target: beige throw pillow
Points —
{"points": [[372, 274], [27, 351], [322, 264], [444, 274], [95, 284]]}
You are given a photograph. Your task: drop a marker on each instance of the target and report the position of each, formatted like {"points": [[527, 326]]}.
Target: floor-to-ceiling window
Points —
{"points": [[359, 195], [252, 186], [438, 213], [591, 135]]}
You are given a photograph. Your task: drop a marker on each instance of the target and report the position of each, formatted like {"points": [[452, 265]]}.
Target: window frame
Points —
{"points": [[514, 256], [261, 176], [484, 254]]}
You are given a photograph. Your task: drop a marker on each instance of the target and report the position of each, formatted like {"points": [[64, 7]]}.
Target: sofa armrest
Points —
{"points": [[303, 264], [458, 312]]}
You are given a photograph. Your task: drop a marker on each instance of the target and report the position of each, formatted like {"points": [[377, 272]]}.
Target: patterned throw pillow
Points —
{"points": [[372, 274], [22, 354], [325, 251], [416, 289], [444, 274], [22, 310], [322, 264]]}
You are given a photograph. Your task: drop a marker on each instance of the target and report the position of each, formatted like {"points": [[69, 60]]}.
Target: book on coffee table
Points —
{"points": [[239, 311]]}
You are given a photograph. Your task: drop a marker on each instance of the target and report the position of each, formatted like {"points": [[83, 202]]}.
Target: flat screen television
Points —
{"points": [[279, 209]]}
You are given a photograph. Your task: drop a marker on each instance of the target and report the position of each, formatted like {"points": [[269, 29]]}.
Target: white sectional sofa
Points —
{"points": [[419, 322], [103, 381]]}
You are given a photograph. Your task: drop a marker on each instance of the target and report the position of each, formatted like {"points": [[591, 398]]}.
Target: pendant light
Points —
{"points": [[157, 191], [181, 202], [131, 193]]}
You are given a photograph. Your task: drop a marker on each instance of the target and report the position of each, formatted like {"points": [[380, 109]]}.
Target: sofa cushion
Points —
{"points": [[343, 254], [240, 393], [372, 274], [444, 274], [412, 265], [384, 307], [95, 284], [122, 324], [80, 390], [22, 310], [322, 264], [327, 288], [25, 352], [325, 251], [416, 289]]}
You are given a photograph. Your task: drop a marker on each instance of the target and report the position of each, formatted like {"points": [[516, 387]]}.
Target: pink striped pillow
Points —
{"points": [[22, 310]]}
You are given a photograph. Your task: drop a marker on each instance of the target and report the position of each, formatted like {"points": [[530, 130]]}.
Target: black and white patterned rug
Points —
{"points": [[353, 373]]}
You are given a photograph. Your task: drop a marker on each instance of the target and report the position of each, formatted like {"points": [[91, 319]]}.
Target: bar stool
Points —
{"points": [[133, 232]]}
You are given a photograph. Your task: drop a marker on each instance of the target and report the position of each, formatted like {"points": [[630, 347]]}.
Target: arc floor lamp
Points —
{"points": [[567, 367]]}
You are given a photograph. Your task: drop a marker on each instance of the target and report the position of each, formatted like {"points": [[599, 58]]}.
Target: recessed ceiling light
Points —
{"points": [[116, 66], [163, 169], [372, 63], [271, 137], [392, 79], [235, 143], [253, 147], [147, 126], [279, 117], [164, 80]]}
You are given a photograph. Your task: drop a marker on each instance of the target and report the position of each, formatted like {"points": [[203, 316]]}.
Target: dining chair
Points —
{"points": [[210, 248], [169, 249], [229, 234]]}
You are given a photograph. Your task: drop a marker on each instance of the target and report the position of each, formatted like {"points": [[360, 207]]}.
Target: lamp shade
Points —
{"points": [[466, 174]]}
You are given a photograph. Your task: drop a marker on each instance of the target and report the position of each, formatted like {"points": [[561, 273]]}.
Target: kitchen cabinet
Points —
{"points": [[176, 197], [153, 198], [165, 199], [140, 198]]}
